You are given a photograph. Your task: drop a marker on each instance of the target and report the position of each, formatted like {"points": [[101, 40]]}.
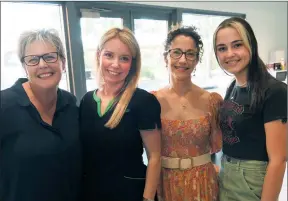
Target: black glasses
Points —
{"points": [[33, 60], [177, 54]]}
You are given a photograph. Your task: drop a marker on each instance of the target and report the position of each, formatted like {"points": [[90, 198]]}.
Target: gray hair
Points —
{"points": [[45, 35]]}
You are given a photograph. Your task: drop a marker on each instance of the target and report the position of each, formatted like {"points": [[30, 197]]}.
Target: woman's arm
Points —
{"points": [[276, 139], [152, 144], [216, 133]]}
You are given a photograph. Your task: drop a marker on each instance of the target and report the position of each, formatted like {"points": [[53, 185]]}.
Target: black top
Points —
{"points": [[243, 131], [111, 155], [38, 162]]}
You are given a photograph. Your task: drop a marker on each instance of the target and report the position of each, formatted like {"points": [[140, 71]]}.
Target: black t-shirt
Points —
{"points": [[111, 155], [38, 162], [243, 131]]}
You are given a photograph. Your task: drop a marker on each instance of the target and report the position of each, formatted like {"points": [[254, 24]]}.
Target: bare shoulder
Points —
{"points": [[161, 93], [202, 94], [208, 97]]}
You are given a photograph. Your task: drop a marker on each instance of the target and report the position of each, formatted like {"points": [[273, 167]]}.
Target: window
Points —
{"points": [[91, 30], [150, 32], [208, 73], [19, 17], [151, 35]]}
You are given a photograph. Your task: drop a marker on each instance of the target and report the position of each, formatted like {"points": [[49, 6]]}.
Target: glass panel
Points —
{"points": [[19, 17], [91, 30], [208, 73], [151, 35]]}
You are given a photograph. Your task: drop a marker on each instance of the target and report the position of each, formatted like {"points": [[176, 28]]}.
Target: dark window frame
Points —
{"points": [[130, 11]]}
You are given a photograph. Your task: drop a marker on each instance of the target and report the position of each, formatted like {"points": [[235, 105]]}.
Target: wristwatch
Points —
{"points": [[145, 199]]}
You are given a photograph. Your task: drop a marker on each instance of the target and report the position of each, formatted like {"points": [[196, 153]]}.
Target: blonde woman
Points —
{"points": [[115, 123]]}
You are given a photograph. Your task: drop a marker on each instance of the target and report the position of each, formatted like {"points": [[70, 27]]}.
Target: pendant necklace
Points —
{"points": [[183, 106]]}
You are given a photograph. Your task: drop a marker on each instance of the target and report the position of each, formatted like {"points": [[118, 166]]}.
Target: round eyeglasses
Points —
{"points": [[33, 60], [177, 54]]}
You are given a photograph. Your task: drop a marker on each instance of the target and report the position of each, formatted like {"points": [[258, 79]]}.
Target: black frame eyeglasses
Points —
{"points": [[177, 54], [33, 60]]}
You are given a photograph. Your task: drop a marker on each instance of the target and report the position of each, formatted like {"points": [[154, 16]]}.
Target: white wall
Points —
{"points": [[268, 20]]}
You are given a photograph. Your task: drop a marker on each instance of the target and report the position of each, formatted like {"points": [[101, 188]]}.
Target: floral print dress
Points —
{"points": [[191, 138]]}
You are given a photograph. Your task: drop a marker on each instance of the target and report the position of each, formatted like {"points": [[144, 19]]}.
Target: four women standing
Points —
{"points": [[40, 152]]}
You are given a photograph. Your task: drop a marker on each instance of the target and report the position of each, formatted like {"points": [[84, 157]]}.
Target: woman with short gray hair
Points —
{"points": [[39, 145]]}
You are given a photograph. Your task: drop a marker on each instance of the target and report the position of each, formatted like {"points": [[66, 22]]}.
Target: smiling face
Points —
{"points": [[115, 61], [181, 68], [231, 52], [45, 74]]}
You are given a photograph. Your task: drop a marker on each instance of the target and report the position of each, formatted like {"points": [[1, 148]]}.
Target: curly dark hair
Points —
{"points": [[190, 31]]}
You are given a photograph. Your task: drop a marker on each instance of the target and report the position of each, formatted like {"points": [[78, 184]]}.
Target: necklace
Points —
{"points": [[233, 92], [183, 106], [242, 85]]}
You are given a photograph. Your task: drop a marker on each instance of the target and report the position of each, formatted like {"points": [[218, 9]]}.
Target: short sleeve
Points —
{"points": [[148, 111], [216, 133], [275, 103]]}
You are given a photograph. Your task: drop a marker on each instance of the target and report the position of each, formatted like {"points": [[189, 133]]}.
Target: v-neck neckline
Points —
{"points": [[98, 102]]}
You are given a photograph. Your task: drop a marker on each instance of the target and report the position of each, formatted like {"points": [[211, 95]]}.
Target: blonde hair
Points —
{"points": [[126, 36], [241, 31]]}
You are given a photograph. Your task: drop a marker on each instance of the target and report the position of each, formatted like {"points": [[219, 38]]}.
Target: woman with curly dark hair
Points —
{"points": [[190, 132]]}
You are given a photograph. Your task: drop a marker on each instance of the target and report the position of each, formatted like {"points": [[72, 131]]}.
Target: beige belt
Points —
{"points": [[185, 163]]}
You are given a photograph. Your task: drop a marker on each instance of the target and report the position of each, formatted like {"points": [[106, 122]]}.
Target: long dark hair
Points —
{"points": [[257, 71]]}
